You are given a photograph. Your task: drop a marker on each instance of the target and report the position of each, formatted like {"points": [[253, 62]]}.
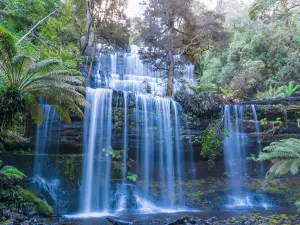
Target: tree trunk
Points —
{"points": [[170, 61], [88, 27], [282, 101], [26, 125], [170, 73]]}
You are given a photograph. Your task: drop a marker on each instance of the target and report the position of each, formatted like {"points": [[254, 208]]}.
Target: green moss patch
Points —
{"points": [[19, 198]]}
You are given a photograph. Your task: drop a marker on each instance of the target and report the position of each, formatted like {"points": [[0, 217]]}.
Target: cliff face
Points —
{"points": [[275, 124]]}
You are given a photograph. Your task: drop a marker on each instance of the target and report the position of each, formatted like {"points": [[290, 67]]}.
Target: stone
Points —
{"points": [[118, 222], [29, 213], [4, 212]]}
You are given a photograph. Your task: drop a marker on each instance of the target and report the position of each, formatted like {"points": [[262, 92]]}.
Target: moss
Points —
{"points": [[273, 190], [198, 194], [41, 206], [12, 173], [6, 222], [19, 198], [68, 168]]}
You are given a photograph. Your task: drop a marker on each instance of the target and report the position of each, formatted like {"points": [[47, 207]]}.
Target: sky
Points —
{"points": [[134, 9]]}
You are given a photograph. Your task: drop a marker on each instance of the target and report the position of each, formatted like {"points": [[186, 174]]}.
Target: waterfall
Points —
{"points": [[258, 137], [97, 144], [47, 140], [158, 149], [235, 154]]}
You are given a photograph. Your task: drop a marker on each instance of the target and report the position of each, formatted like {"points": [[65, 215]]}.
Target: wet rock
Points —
{"points": [[29, 213], [118, 222], [18, 218], [4, 212]]}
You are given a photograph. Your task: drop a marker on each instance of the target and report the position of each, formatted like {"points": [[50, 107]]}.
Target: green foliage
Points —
{"points": [[207, 87], [115, 154], [211, 145], [290, 89], [25, 79], [131, 176], [272, 93], [12, 173], [285, 155], [68, 167]]}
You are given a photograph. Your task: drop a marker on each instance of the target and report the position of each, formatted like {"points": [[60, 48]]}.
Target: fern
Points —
{"points": [[272, 93], [50, 79], [285, 155], [290, 89]]}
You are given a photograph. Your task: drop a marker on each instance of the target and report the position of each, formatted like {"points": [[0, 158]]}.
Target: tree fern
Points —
{"points": [[285, 155], [50, 79]]}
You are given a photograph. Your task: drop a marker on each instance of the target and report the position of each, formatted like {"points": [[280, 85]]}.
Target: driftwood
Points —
{"points": [[283, 101], [118, 222]]}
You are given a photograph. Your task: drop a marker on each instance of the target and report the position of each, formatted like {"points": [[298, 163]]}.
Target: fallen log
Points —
{"points": [[282, 101]]}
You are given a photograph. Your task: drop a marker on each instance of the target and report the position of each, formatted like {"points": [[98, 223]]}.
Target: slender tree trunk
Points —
{"points": [[88, 27], [170, 61], [170, 73], [289, 30], [26, 125]]}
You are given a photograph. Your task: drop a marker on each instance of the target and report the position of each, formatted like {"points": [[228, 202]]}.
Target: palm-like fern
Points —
{"points": [[31, 79], [272, 93], [209, 87], [290, 89], [285, 155]]}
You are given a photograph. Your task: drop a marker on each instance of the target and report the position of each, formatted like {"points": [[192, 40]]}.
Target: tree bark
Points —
{"points": [[170, 73], [88, 27], [283, 101], [26, 125], [170, 60]]}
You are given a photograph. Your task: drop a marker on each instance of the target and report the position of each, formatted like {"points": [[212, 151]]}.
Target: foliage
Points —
{"points": [[12, 173], [168, 31], [285, 156], [290, 89], [199, 104], [285, 91], [207, 87], [131, 176], [211, 145], [272, 93], [115, 154], [25, 78], [19, 198]]}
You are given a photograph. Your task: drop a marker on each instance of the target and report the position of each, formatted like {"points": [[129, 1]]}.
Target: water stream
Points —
{"points": [[156, 123]]}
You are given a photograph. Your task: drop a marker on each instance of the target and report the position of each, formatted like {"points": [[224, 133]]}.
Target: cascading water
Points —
{"points": [[257, 131], [45, 174], [47, 141], [156, 123], [97, 144], [235, 154]]}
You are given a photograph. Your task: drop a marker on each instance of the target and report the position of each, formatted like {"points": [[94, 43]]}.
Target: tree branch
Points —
{"points": [[35, 26]]}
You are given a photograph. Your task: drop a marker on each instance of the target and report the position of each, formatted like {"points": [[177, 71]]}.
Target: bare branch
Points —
{"points": [[35, 26]]}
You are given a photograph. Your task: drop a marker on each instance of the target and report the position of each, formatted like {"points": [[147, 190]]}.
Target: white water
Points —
{"points": [[97, 142], [159, 151]]}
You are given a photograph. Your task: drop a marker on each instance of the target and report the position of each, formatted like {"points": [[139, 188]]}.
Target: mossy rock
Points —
{"points": [[19, 198], [42, 207], [12, 172]]}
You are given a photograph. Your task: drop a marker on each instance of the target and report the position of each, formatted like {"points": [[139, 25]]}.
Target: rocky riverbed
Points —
{"points": [[238, 217]]}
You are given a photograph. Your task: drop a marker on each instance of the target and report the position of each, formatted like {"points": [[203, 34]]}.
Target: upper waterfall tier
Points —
{"points": [[126, 72]]}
